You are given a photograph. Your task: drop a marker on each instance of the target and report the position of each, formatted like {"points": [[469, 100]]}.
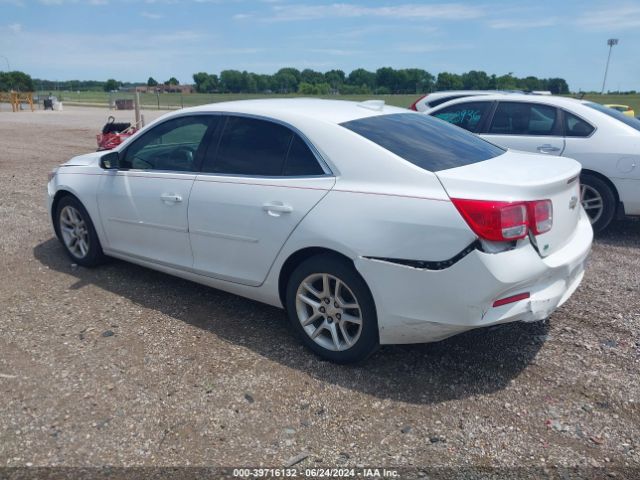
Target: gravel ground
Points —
{"points": [[125, 366]]}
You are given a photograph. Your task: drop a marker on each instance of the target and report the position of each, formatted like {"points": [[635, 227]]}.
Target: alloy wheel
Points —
{"points": [[328, 311], [592, 202], [74, 231]]}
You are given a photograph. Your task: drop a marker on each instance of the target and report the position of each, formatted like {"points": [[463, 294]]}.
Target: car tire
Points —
{"points": [[77, 233], [338, 322], [598, 200]]}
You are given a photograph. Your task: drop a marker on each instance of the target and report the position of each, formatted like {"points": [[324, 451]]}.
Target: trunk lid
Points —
{"points": [[519, 176]]}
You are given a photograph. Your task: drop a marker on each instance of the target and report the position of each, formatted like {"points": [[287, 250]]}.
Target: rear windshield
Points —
{"points": [[632, 122], [425, 141]]}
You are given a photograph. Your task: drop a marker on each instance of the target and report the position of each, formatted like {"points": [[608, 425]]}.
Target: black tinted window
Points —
{"points": [[632, 122], [516, 118], [576, 127], [251, 147], [172, 145], [424, 141], [464, 115], [300, 160]]}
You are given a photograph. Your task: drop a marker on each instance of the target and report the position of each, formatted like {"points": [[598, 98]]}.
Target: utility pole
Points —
{"points": [[611, 42]]}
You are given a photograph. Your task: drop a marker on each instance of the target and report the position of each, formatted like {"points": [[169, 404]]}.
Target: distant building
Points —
{"points": [[185, 89]]}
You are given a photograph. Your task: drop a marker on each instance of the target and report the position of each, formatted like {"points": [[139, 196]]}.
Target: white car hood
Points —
{"points": [[84, 160]]}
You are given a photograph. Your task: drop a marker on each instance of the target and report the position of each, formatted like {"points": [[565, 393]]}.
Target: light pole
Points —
{"points": [[611, 42]]}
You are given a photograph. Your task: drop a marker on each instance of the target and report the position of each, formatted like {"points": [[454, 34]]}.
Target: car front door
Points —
{"points": [[526, 126], [143, 203], [259, 180]]}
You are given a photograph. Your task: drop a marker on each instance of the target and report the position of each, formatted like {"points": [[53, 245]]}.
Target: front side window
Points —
{"points": [[518, 118], [172, 145], [424, 141], [576, 127], [255, 147], [464, 115]]}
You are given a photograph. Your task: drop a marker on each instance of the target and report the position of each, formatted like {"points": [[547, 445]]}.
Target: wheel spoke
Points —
{"points": [[346, 336], [319, 329], [312, 303], [334, 335], [311, 319], [336, 289], [351, 319], [325, 285], [309, 288]]}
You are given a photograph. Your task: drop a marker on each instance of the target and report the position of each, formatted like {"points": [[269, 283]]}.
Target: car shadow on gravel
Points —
{"points": [[478, 362], [622, 233]]}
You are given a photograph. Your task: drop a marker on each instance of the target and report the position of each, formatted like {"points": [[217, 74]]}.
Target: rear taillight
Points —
{"points": [[505, 221], [541, 214], [414, 105]]}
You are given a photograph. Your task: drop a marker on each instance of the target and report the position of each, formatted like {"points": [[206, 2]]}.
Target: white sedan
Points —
{"points": [[603, 140], [369, 224]]}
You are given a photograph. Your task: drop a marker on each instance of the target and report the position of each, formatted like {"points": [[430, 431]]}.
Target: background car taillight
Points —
{"points": [[541, 214], [414, 105], [505, 221]]}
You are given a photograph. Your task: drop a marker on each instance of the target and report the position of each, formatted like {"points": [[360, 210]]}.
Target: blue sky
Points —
{"points": [[133, 39]]}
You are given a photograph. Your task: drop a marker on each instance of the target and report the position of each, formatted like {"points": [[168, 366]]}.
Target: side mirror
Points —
{"points": [[110, 161]]}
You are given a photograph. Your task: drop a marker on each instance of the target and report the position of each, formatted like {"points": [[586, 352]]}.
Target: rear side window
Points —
{"points": [[576, 127], [300, 160], [517, 118], [424, 141], [249, 146], [464, 115], [632, 122]]}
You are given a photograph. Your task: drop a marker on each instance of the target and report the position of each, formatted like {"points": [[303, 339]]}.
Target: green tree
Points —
{"points": [[152, 82], [16, 80], [205, 83], [231, 81], [311, 76], [449, 81], [360, 77], [557, 85], [476, 80], [111, 85], [335, 78], [173, 81]]}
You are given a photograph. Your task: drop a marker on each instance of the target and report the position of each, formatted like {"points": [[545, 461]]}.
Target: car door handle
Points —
{"points": [[170, 198], [275, 209], [547, 148]]}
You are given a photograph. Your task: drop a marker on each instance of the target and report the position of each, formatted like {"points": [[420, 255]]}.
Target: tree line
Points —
{"points": [[385, 80]]}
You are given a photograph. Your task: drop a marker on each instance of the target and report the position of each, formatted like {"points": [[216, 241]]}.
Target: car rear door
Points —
{"points": [[259, 180], [143, 203], [527, 126]]}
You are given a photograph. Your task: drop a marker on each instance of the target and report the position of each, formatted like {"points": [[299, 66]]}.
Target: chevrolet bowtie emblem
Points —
{"points": [[573, 202]]}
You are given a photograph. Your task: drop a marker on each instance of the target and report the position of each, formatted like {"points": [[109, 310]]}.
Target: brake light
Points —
{"points": [[505, 221], [495, 221], [541, 213], [414, 105]]}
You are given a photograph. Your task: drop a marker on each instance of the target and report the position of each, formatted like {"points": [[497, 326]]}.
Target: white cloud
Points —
{"points": [[62, 2], [151, 16], [614, 18], [444, 11], [15, 28], [517, 24]]}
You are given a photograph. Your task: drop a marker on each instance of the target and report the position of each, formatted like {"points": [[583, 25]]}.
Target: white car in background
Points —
{"points": [[603, 140], [369, 224], [432, 100]]}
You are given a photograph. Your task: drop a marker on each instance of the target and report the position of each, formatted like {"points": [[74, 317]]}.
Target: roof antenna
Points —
{"points": [[375, 105]]}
